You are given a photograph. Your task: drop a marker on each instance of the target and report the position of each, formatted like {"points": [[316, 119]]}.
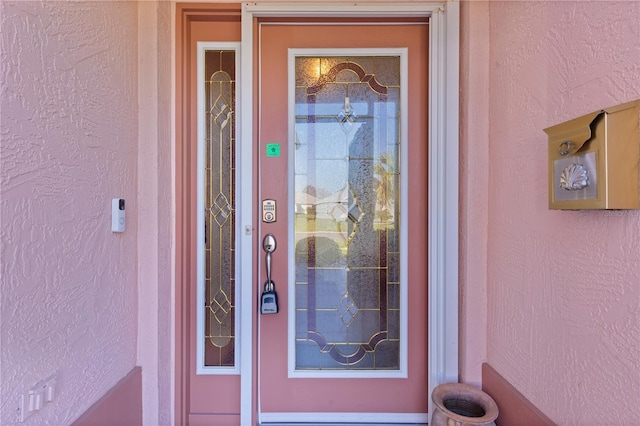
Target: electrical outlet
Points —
{"points": [[23, 408], [35, 398], [47, 388]]}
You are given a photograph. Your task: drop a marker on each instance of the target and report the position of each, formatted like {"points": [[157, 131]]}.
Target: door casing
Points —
{"points": [[442, 187]]}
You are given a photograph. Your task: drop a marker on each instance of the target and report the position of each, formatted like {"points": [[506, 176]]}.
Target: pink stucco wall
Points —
{"points": [[69, 128], [551, 299], [474, 188], [155, 212], [563, 287]]}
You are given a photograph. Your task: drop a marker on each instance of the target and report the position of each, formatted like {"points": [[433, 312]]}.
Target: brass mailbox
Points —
{"points": [[593, 160]]}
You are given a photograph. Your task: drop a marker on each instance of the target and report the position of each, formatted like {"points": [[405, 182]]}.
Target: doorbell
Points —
{"points": [[117, 215]]}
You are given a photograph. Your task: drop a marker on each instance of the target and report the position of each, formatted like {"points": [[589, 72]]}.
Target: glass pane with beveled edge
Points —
{"points": [[219, 208], [347, 284]]}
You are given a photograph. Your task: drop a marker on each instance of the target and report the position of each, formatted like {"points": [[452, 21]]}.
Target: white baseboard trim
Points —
{"points": [[291, 419]]}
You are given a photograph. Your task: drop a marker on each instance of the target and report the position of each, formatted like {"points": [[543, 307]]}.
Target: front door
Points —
{"points": [[341, 149], [342, 152]]}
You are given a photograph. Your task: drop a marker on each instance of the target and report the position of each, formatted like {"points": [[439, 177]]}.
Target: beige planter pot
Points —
{"points": [[457, 404]]}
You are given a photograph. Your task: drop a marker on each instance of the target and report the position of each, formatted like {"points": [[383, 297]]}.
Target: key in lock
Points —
{"points": [[269, 300]]}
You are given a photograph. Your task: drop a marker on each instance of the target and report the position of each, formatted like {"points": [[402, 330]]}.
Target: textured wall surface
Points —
{"points": [[166, 208], [563, 286], [155, 209], [474, 188], [68, 145]]}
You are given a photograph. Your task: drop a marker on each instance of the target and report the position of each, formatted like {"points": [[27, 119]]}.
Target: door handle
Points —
{"points": [[269, 246]]}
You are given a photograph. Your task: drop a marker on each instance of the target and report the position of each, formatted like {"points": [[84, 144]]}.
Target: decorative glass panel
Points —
{"points": [[347, 200], [219, 203]]}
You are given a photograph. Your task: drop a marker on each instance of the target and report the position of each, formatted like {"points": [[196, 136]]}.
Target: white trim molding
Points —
{"points": [[444, 85], [443, 182]]}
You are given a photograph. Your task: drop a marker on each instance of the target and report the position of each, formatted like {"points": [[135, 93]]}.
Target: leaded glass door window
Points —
{"points": [[347, 212], [217, 349]]}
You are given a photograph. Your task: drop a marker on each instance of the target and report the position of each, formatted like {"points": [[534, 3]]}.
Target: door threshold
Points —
{"points": [[343, 419]]}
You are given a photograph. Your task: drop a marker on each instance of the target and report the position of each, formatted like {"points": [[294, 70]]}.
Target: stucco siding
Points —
{"points": [[68, 134], [563, 286]]}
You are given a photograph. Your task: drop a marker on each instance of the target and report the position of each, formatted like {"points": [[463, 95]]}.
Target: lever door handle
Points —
{"points": [[269, 246]]}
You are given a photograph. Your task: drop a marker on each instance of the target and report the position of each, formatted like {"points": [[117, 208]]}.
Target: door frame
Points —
{"points": [[443, 173], [443, 190]]}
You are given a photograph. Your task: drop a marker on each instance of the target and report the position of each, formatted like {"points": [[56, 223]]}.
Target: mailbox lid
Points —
{"points": [[567, 138]]}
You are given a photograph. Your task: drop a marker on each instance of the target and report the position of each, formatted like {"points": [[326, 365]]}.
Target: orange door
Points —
{"points": [[343, 151]]}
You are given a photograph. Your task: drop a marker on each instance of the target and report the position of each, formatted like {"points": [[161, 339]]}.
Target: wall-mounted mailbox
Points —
{"points": [[593, 160]]}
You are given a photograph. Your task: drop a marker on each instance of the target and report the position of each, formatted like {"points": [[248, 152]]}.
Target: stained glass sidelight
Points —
{"points": [[347, 200], [219, 203]]}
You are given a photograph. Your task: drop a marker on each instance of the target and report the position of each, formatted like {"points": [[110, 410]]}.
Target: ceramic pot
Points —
{"points": [[457, 404]]}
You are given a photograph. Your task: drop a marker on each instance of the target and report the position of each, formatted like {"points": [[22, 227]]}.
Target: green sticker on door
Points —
{"points": [[273, 150]]}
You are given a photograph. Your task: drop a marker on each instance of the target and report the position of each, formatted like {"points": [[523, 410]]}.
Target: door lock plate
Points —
{"points": [[268, 211]]}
